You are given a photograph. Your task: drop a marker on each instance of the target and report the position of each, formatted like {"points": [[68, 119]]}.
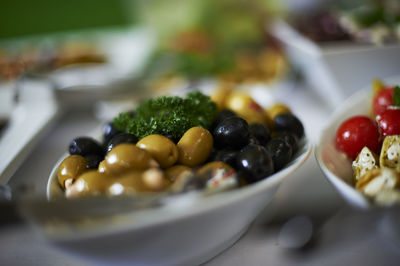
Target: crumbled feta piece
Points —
{"points": [[365, 161], [390, 154], [388, 197], [377, 180]]}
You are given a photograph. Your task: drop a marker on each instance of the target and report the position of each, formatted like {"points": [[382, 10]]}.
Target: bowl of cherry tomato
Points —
{"points": [[359, 148]]}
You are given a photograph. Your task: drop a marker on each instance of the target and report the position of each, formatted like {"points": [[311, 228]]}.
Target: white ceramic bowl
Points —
{"points": [[188, 233], [335, 165], [336, 70]]}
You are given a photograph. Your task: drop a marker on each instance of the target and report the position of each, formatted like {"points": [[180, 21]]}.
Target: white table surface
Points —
{"points": [[345, 237]]}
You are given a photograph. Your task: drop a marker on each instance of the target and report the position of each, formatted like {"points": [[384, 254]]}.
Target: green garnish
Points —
{"points": [[228, 28], [396, 96], [168, 115]]}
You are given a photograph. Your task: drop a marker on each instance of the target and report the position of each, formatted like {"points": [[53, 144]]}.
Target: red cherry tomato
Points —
{"points": [[355, 133], [389, 122], [382, 100]]}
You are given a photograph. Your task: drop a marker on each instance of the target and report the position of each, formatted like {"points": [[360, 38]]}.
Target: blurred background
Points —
{"points": [[24, 18], [228, 38]]}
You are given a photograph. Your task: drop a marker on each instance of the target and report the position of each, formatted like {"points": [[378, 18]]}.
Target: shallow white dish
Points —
{"points": [[336, 70], [188, 232], [335, 165], [126, 52]]}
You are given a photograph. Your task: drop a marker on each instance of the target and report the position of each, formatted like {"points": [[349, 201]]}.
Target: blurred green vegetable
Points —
{"points": [[205, 36]]}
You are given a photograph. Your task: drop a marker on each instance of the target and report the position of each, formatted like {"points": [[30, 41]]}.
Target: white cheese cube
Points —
{"points": [[365, 161]]}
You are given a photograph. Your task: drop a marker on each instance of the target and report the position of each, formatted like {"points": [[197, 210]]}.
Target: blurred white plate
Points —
{"points": [[125, 51], [335, 165], [336, 70]]}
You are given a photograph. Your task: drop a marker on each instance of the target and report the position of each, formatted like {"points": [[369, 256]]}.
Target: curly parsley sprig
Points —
{"points": [[168, 115]]}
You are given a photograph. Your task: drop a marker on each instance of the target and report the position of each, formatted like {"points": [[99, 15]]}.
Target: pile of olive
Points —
{"points": [[124, 164], [255, 151]]}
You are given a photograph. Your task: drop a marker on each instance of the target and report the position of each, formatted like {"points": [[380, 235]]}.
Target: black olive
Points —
{"points": [[226, 156], [241, 178], [280, 151], [109, 132], [168, 135], [222, 116], [232, 133], [255, 162], [121, 138], [85, 146], [290, 138], [93, 160], [253, 140], [212, 155], [289, 122], [261, 132]]}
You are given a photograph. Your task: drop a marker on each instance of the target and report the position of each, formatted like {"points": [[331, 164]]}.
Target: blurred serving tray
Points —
{"points": [[29, 118]]}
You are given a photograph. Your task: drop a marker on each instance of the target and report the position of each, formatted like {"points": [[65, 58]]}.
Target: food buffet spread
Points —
{"points": [[235, 134]]}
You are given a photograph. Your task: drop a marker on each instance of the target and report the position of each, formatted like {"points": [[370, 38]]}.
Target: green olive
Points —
{"points": [[154, 179], [162, 149], [277, 109], [135, 181], [195, 146], [102, 167], [217, 176], [89, 183], [70, 169], [209, 169], [128, 156], [175, 171], [129, 183], [245, 106]]}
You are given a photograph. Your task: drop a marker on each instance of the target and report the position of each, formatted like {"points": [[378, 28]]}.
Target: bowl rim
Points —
{"points": [[199, 206], [345, 189]]}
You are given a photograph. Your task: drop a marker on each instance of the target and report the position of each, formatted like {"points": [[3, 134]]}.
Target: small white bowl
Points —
{"points": [[188, 233], [335, 165]]}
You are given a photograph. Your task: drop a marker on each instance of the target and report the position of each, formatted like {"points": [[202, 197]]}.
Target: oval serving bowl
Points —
{"points": [[186, 232]]}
